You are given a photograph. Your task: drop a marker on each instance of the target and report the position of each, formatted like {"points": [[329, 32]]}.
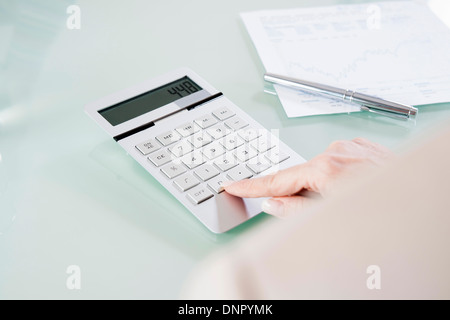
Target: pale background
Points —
{"points": [[69, 195]]}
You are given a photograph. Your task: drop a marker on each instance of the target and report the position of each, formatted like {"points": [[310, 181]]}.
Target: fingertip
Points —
{"points": [[243, 188], [227, 183], [233, 187]]}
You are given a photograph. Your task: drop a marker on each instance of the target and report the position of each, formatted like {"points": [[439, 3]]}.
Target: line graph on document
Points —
{"points": [[368, 68], [406, 58]]}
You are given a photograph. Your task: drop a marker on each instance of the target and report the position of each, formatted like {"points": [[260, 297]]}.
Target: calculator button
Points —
{"points": [[213, 150], [216, 183], [206, 121], [243, 153], [263, 143], [200, 139], [239, 173], [236, 123], [223, 113], [206, 172], [181, 148], [259, 164], [173, 170], [148, 146], [186, 182], [250, 134], [194, 159], [226, 162], [168, 138], [199, 194], [276, 156], [160, 157], [188, 129], [218, 131], [232, 141]]}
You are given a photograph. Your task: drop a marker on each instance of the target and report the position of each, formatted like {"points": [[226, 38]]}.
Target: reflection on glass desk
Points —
{"points": [[70, 196]]}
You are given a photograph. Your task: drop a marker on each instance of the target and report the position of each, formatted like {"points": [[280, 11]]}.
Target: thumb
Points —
{"points": [[284, 207]]}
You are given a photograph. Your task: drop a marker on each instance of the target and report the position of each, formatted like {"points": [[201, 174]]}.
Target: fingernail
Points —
{"points": [[273, 207], [227, 183]]}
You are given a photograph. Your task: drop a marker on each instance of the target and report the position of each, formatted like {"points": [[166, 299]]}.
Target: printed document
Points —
{"points": [[398, 51]]}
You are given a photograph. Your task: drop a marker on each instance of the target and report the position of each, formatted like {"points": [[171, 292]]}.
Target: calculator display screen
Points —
{"points": [[149, 101]]}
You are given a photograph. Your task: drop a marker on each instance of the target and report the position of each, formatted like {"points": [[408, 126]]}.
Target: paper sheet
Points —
{"points": [[398, 51]]}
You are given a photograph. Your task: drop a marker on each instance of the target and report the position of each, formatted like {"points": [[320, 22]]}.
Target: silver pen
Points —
{"points": [[367, 102]]}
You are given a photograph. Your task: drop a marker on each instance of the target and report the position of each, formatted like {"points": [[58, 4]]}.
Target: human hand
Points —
{"points": [[289, 188]]}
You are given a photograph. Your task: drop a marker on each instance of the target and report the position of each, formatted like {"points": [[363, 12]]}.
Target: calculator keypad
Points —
{"points": [[199, 156]]}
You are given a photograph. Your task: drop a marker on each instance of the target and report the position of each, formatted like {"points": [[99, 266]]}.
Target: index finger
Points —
{"points": [[284, 182]]}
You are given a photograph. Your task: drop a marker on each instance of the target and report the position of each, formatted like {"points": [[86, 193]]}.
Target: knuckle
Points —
{"points": [[326, 163], [338, 145], [361, 140]]}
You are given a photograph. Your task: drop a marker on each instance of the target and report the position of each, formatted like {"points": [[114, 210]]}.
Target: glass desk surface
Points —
{"points": [[69, 195]]}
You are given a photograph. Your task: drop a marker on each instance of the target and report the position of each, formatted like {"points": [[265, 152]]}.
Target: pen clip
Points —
{"points": [[397, 116]]}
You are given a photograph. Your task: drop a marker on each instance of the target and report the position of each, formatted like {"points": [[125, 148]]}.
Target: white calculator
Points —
{"points": [[191, 139]]}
